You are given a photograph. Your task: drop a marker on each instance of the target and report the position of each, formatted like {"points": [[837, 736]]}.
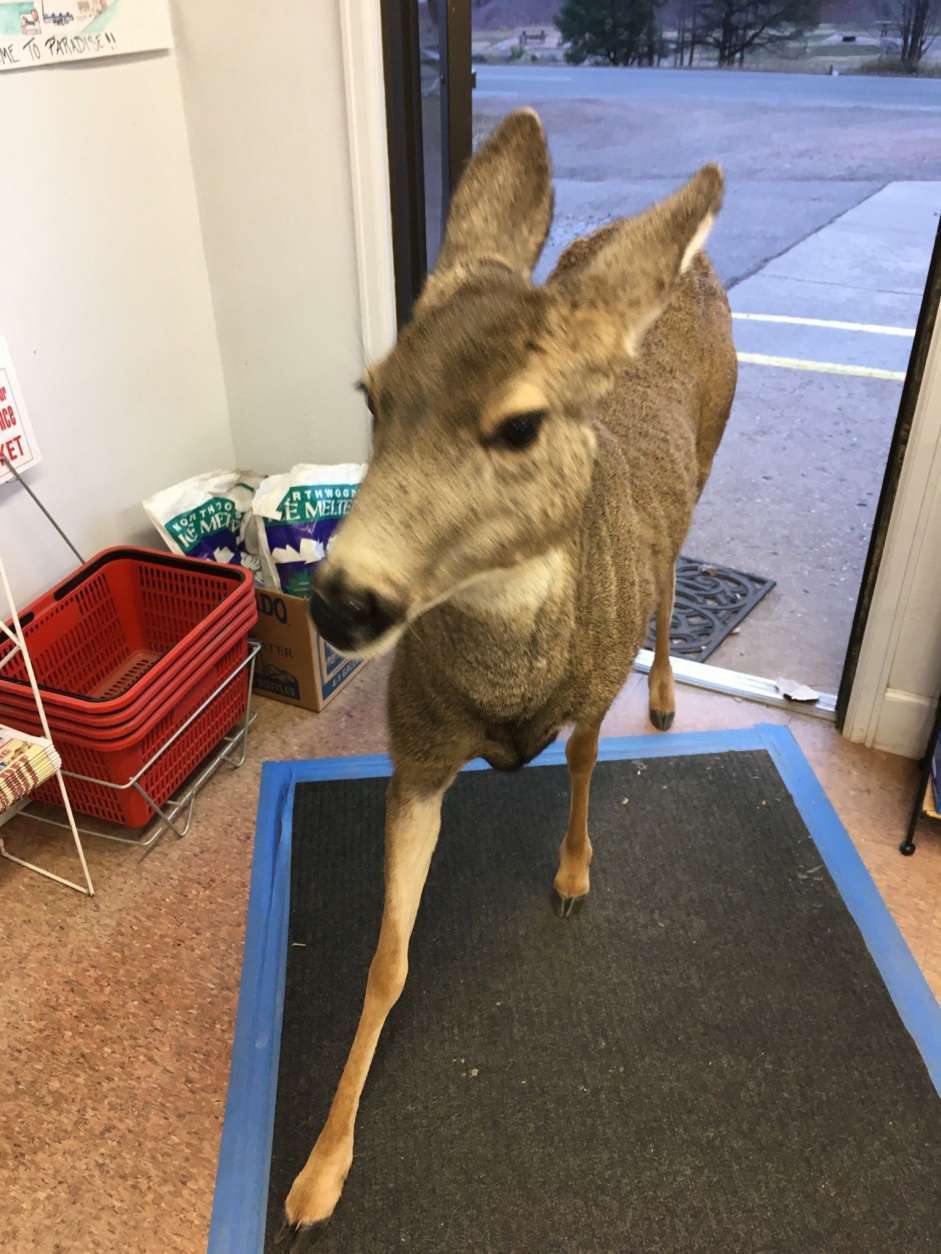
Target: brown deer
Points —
{"points": [[538, 452]]}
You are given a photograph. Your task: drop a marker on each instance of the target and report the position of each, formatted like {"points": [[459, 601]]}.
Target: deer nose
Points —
{"points": [[350, 618]]}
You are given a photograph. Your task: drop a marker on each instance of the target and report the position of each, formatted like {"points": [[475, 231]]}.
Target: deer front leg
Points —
{"points": [[660, 680], [571, 881], [413, 817]]}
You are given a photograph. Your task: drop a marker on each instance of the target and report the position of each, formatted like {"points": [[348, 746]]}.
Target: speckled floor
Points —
{"points": [[116, 1014]]}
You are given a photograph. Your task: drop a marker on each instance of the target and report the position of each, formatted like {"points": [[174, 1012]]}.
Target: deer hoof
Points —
{"points": [[662, 719], [313, 1197], [565, 907], [298, 1240]]}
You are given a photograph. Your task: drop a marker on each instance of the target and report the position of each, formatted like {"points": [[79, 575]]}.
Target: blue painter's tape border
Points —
{"points": [[241, 1197]]}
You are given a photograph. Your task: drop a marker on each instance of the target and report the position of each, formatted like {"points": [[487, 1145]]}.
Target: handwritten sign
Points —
{"points": [[36, 32], [18, 445]]}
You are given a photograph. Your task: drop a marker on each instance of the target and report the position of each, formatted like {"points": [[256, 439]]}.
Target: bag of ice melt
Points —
{"points": [[296, 515], [209, 516]]}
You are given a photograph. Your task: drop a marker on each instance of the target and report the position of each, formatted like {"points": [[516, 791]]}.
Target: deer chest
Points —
{"points": [[510, 746]]}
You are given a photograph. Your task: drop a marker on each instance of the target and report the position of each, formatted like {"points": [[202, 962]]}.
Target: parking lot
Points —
{"points": [[834, 187]]}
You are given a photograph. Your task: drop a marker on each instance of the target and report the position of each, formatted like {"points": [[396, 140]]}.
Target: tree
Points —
{"points": [[688, 23], [623, 32], [917, 24], [734, 27]]}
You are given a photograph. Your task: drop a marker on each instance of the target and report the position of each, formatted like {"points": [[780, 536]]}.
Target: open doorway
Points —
{"points": [[834, 183]]}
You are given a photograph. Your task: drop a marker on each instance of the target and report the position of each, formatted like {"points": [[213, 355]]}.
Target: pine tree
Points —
{"points": [[622, 32]]}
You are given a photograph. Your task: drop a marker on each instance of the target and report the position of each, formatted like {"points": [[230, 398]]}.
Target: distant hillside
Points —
{"points": [[852, 11], [508, 14]]}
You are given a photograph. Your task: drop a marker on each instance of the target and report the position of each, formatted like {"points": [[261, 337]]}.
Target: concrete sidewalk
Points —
{"points": [[797, 479], [760, 218]]}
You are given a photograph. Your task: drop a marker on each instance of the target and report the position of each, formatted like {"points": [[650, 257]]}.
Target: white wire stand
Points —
{"points": [[18, 640], [176, 814]]}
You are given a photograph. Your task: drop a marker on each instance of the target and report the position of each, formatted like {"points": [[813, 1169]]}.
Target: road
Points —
{"points": [[798, 150], [787, 90]]}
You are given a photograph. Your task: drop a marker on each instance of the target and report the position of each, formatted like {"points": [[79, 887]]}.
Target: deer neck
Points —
{"points": [[517, 597], [502, 645]]}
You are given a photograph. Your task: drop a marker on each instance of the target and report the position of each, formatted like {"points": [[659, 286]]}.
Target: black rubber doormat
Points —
{"points": [[707, 1057], [711, 601]]}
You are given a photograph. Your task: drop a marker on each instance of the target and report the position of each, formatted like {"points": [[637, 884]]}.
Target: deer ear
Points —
{"points": [[502, 207], [624, 274]]}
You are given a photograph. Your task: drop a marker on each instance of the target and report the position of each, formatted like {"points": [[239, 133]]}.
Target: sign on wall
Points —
{"points": [[18, 445], [47, 32]]}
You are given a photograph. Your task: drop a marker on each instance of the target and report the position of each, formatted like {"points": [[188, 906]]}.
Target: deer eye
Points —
{"points": [[520, 431]]}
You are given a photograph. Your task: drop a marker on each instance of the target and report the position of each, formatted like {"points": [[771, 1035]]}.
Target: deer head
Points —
{"points": [[483, 443]]}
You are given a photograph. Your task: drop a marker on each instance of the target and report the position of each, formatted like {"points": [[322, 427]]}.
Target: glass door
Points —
{"points": [[602, 126]]}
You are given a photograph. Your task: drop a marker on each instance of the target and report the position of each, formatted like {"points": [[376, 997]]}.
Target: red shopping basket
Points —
{"points": [[123, 621], [119, 761], [126, 651], [98, 724]]}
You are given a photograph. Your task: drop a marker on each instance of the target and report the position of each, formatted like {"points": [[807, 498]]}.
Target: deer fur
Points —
{"points": [[518, 582]]}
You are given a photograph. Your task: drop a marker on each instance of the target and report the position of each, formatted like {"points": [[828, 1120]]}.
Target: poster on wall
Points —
{"points": [[34, 33], [18, 447]]}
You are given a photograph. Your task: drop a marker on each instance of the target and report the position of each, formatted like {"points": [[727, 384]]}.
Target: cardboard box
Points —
{"points": [[296, 665]]}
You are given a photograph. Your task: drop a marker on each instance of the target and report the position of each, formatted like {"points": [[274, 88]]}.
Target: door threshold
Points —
{"points": [[738, 684]]}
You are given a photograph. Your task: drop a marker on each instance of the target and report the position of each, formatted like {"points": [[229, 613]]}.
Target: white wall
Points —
{"points": [[105, 302], [267, 125], [899, 673]]}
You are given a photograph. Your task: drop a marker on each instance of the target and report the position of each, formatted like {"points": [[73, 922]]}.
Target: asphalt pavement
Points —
{"points": [[572, 82]]}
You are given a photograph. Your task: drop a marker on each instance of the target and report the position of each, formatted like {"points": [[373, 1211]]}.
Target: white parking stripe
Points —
{"points": [[868, 327], [820, 367]]}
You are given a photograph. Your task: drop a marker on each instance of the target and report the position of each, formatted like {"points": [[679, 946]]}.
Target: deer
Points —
{"points": [[537, 453]]}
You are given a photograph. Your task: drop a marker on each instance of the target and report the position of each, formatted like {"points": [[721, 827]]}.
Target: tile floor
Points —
{"points": [[116, 1014]]}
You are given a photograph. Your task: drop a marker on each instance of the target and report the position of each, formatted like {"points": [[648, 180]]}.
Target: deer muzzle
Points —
{"points": [[350, 618]]}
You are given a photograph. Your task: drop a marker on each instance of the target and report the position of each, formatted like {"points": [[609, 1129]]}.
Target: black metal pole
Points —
{"points": [[457, 110], [401, 60], [25, 486], [907, 847]]}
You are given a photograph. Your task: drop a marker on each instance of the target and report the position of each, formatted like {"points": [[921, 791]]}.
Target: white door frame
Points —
{"points": [[361, 35], [877, 714]]}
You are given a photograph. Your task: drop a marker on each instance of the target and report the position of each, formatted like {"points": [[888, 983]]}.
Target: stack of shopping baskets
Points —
{"points": [[142, 660]]}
